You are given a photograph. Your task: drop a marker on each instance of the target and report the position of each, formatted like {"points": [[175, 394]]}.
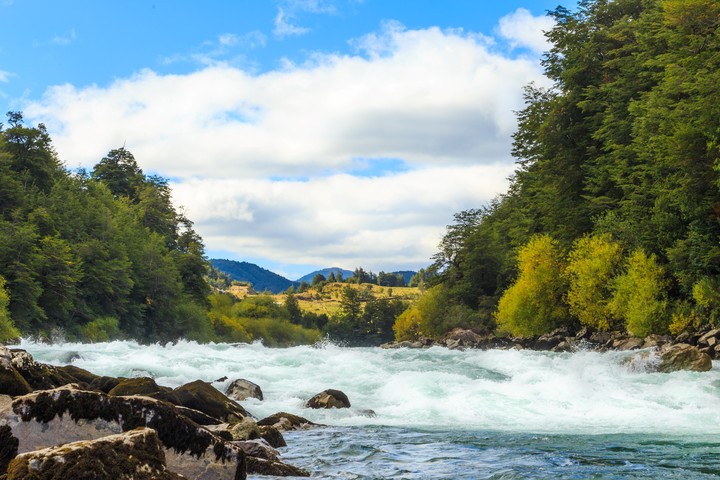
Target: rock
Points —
{"points": [[329, 399], [246, 429], [66, 414], [242, 389], [260, 466], [459, 337], [286, 421], [272, 435], [133, 455], [631, 343], [80, 375], [258, 448], [708, 337], [656, 341], [601, 338], [39, 376], [138, 386], [11, 382], [8, 447], [204, 397], [682, 356], [105, 384]]}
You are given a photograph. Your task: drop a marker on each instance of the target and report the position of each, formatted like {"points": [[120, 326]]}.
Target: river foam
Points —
{"points": [[583, 393]]}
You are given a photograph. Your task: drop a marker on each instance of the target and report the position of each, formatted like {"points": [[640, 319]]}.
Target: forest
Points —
{"points": [[612, 217], [611, 221]]}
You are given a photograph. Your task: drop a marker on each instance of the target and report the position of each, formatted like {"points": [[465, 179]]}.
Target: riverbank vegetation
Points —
{"points": [[612, 217]]}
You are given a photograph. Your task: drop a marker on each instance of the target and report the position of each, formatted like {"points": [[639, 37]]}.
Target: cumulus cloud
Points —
{"points": [[522, 29], [439, 101], [385, 223]]}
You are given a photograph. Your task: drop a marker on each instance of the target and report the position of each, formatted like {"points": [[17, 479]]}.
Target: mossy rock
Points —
{"points": [[105, 384], [8, 447], [138, 386], [329, 399], [95, 412], [12, 383], [136, 455], [284, 421], [204, 397], [272, 435], [82, 377], [38, 375]]}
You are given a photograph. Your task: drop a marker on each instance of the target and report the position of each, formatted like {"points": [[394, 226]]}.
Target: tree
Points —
{"points": [[8, 332], [533, 305], [639, 296], [293, 307], [120, 172], [592, 264], [318, 279]]}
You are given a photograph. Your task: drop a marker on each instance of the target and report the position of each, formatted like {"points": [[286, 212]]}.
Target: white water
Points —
{"points": [[583, 393]]}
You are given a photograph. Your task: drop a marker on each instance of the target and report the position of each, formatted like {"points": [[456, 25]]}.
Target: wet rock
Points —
{"points": [[203, 397], [39, 376], [79, 375], [329, 399], [242, 389], [285, 422], [656, 341], [682, 356], [66, 414], [138, 386], [258, 448], [272, 435], [133, 455], [709, 338], [260, 466]]}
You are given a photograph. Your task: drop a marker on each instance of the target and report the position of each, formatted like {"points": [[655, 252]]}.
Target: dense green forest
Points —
{"points": [[93, 255], [612, 216]]}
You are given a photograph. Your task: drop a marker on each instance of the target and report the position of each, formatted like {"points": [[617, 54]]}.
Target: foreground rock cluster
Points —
{"points": [[686, 352], [65, 422]]}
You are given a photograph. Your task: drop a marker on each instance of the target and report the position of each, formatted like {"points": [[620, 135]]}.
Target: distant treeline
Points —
{"points": [[612, 218]]}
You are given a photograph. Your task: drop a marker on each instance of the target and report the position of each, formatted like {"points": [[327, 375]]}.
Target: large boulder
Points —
{"points": [[242, 389], [682, 356], [204, 397], [133, 455], [329, 399], [8, 447], [67, 414]]}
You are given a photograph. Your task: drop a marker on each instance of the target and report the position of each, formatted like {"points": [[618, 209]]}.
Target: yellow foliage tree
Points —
{"points": [[534, 305], [640, 295], [592, 264]]}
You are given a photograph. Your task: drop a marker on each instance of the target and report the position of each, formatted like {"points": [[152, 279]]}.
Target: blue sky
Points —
{"points": [[298, 134]]}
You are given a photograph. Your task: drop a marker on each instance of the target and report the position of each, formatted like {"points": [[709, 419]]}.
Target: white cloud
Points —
{"points": [[522, 29], [386, 223], [283, 27], [4, 76], [441, 102]]}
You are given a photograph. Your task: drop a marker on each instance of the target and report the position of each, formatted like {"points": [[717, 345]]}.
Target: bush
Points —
{"points": [[8, 332], [101, 329]]}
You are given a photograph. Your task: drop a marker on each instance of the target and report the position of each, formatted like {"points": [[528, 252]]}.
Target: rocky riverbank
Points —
{"points": [[685, 352], [67, 421]]}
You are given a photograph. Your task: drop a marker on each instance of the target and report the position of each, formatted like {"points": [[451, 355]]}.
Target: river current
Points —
{"points": [[448, 414]]}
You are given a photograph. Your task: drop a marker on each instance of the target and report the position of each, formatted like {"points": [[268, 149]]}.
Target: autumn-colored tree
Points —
{"points": [[592, 264], [534, 305], [640, 295]]}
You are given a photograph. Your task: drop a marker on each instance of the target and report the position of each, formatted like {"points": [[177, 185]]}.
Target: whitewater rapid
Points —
{"points": [[517, 392]]}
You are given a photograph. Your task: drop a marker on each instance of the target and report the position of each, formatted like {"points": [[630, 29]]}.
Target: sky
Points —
{"points": [[296, 134]]}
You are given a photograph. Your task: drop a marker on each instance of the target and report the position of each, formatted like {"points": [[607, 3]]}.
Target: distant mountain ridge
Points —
{"points": [[325, 272], [263, 279]]}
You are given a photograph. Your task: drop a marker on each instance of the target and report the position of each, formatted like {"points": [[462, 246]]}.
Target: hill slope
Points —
{"points": [[325, 272], [260, 278]]}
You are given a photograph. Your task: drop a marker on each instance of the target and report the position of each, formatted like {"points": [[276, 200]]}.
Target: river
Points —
{"points": [[448, 414]]}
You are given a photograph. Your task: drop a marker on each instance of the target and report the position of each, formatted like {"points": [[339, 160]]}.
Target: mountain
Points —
{"points": [[325, 272], [260, 278]]}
